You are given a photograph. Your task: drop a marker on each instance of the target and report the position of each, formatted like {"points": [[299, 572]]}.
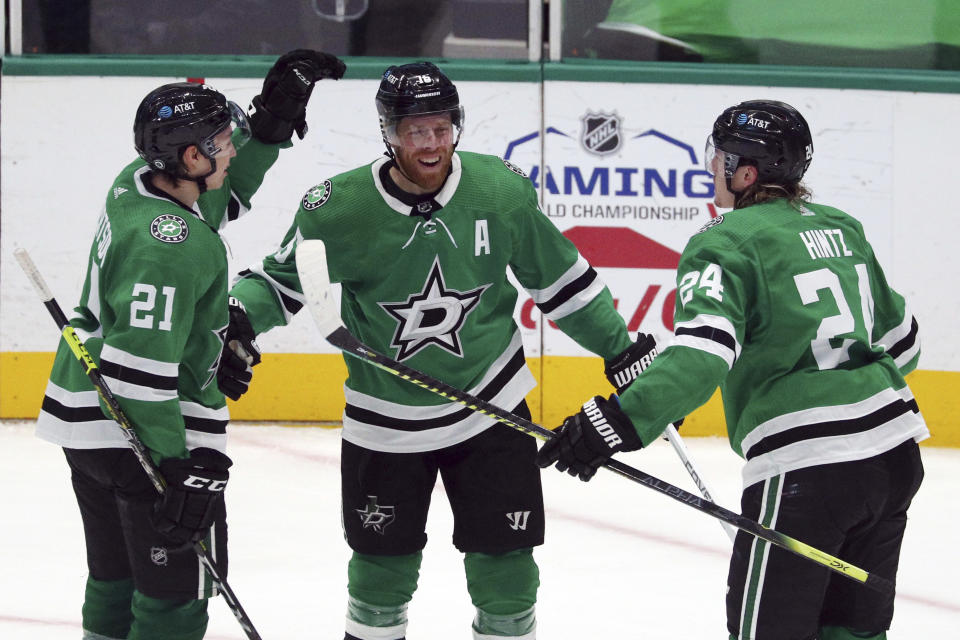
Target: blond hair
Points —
{"points": [[795, 192]]}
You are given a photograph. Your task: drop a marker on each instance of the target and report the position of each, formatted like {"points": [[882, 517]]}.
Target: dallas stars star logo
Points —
{"points": [[375, 516], [433, 316], [169, 228], [222, 337]]}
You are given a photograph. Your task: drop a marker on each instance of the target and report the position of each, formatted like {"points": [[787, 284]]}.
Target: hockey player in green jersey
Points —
{"points": [[154, 313], [783, 304], [421, 241]]}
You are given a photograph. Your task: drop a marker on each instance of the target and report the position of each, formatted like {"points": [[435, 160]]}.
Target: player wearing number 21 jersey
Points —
{"points": [[783, 305]]}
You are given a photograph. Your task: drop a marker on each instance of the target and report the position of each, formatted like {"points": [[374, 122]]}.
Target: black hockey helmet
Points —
{"points": [[174, 116], [770, 135], [417, 88]]}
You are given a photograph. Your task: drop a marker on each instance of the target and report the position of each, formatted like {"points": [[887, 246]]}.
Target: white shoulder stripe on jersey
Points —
{"points": [[579, 268], [706, 345], [578, 301], [146, 365]]}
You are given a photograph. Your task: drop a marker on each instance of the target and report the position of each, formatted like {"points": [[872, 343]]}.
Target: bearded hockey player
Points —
{"points": [[421, 241], [153, 312], [782, 303]]}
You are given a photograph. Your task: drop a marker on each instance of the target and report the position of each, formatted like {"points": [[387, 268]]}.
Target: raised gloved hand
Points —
{"points": [[622, 370], [240, 353], [627, 365], [195, 485], [589, 438], [281, 107]]}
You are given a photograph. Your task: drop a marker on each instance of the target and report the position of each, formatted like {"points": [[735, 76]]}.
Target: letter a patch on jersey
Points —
{"points": [[435, 315]]}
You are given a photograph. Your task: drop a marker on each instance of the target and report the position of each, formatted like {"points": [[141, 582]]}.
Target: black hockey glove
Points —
{"points": [[588, 439], [195, 485], [240, 353], [628, 364], [281, 107]]}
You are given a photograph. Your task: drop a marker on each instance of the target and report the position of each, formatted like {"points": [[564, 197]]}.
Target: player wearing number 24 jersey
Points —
{"points": [[783, 305]]}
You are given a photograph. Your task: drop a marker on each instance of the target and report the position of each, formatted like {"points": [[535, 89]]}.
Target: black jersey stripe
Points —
{"points": [[906, 342], [569, 290], [366, 416], [290, 304], [206, 425], [233, 209], [137, 377], [72, 414], [833, 428], [709, 333]]}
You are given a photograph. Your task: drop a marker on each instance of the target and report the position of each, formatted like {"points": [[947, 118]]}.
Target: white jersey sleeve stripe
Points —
{"points": [[578, 301], [706, 345], [580, 267], [147, 365]]}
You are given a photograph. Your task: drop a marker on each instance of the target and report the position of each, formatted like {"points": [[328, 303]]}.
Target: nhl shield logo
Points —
{"points": [[601, 133], [158, 555]]}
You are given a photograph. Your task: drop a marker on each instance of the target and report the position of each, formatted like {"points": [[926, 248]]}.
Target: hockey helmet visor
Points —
{"points": [[714, 159], [239, 133]]}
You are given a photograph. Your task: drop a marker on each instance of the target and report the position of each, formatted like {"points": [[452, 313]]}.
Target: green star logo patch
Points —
{"points": [[169, 228], [317, 196]]}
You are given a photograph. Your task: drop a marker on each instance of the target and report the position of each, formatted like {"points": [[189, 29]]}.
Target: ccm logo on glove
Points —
{"points": [[196, 482]]}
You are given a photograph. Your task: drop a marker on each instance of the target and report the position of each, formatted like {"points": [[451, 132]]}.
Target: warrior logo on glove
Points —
{"points": [[629, 364], [592, 411]]}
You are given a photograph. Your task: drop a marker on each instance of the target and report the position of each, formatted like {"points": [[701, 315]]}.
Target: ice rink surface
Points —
{"points": [[620, 560]]}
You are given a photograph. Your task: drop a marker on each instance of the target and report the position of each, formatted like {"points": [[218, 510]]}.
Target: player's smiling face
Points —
{"points": [[425, 149]]}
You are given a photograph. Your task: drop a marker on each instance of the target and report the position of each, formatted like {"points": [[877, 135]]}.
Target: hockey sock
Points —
{"points": [[167, 619], [843, 633], [379, 589], [106, 608], [503, 588]]}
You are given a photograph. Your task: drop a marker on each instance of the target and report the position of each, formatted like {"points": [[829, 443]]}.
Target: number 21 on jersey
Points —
{"points": [[142, 308]]}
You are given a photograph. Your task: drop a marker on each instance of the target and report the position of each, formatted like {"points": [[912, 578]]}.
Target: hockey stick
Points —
{"points": [[116, 412], [676, 441], [311, 260]]}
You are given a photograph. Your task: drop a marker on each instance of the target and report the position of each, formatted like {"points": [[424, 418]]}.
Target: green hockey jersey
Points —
{"points": [[790, 313], [153, 314], [432, 291]]}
